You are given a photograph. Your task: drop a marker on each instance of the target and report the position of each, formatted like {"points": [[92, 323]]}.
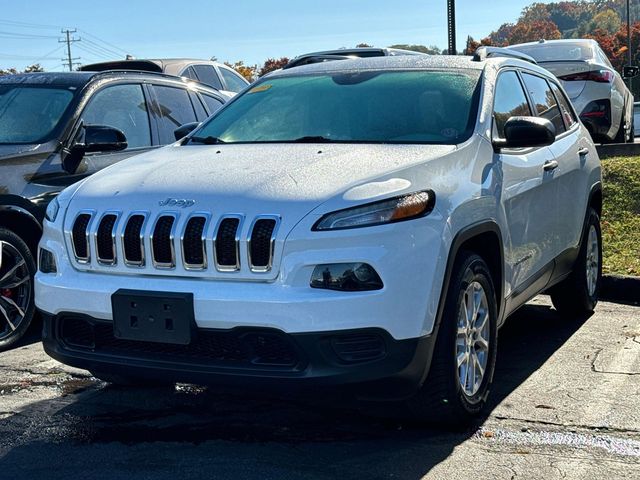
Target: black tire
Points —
{"points": [[621, 136], [632, 132], [572, 296], [21, 296], [129, 381], [442, 398]]}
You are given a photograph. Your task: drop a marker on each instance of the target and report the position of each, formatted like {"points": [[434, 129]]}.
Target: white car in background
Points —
{"points": [[596, 89]]}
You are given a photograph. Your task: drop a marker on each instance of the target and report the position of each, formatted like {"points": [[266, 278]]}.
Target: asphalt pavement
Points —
{"points": [[565, 404]]}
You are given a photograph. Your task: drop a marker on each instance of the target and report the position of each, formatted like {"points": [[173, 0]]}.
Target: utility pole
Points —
{"points": [[451, 23], [69, 40]]}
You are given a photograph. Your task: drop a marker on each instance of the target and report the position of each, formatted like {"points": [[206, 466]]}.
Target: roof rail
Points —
{"points": [[309, 59], [482, 53]]}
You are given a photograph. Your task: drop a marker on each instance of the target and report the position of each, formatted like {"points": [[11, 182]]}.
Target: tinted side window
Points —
{"points": [[123, 107], [201, 113], [565, 108], [189, 73], [544, 101], [233, 80], [207, 74], [510, 101], [175, 110], [213, 104]]}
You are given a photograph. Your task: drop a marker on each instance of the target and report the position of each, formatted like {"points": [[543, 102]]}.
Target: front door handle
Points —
{"points": [[583, 151], [550, 165]]}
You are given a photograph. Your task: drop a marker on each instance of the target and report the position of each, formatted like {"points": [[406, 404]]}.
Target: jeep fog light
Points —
{"points": [[348, 277], [47, 262]]}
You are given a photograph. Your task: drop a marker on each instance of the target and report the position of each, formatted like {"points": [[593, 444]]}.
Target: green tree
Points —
{"points": [[608, 21], [431, 50]]}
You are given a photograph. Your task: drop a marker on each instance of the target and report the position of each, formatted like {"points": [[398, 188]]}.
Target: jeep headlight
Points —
{"points": [[52, 210], [397, 209]]}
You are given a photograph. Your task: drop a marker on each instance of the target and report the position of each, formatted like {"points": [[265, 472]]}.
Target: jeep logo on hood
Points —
{"points": [[177, 202]]}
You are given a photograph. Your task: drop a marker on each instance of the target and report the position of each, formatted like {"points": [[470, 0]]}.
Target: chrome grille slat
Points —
{"points": [[162, 238], [227, 243], [194, 242], [105, 239], [80, 237], [261, 243], [133, 240]]}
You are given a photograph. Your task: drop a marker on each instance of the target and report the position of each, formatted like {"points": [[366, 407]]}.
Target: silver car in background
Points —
{"points": [[596, 89]]}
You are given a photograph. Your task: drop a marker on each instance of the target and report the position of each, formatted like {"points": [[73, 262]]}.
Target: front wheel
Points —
{"points": [[458, 383], [17, 307], [577, 295]]}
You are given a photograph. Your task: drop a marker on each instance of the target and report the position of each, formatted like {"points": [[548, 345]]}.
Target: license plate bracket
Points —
{"points": [[161, 317]]}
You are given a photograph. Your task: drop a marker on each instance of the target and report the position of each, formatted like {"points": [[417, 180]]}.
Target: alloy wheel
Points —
{"points": [[15, 289], [472, 342], [593, 260]]}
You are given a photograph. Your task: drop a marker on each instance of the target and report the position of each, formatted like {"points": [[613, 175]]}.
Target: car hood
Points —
{"points": [[286, 180], [11, 150]]}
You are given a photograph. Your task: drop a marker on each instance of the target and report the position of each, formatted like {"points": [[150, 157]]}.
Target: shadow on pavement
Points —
{"points": [[104, 432]]}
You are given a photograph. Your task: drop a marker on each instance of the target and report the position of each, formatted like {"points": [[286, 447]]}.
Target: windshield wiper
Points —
{"points": [[206, 140], [312, 139]]}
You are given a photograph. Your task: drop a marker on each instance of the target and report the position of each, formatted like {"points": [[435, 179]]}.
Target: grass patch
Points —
{"points": [[621, 215]]}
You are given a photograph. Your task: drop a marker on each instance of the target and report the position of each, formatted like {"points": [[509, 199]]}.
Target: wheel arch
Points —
{"points": [[22, 220]]}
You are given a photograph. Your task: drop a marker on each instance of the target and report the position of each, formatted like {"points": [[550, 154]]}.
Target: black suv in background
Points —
{"points": [[58, 128]]}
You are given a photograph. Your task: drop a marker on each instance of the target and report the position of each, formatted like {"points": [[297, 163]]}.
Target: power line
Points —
{"points": [[29, 25], [95, 53], [24, 35], [105, 42], [106, 51]]}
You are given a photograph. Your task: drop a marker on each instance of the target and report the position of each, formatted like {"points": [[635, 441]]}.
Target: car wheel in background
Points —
{"points": [[17, 269], [578, 295]]}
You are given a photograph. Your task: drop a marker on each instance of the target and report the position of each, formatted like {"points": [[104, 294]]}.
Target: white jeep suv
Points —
{"points": [[368, 223]]}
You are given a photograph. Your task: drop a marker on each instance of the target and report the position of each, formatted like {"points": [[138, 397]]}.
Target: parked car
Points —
{"points": [[595, 88], [307, 240], [58, 128], [214, 74], [636, 116], [344, 53]]}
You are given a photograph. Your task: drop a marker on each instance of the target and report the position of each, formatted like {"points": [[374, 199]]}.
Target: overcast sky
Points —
{"points": [[246, 30]]}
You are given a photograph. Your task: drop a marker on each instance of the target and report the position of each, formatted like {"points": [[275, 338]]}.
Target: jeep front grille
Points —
{"points": [[106, 239], [163, 251], [81, 237], [202, 243]]}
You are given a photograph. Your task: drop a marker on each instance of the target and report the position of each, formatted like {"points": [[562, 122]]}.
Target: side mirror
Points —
{"points": [[527, 132], [92, 138], [101, 138], [630, 71], [184, 130]]}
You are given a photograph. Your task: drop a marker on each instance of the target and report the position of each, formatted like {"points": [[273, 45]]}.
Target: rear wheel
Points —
{"points": [[578, 294], [17, 269], [461, 372]]}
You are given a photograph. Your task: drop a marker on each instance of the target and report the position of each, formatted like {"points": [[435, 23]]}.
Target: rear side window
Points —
{"points": [[213, 104], [201, 113], [123, 107], [233, 80], [175, 110], [190, 73], [207, 74], [510, 101], [544, 101], [565, 109]]}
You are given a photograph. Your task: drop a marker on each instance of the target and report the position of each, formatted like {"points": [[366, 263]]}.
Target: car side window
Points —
{"points": [[175, 110], [233, 80], [207, 74], [544, 101], [565, 108], [189, 73], [123, 107], [201, 113], [510, 101], [213, 104]]}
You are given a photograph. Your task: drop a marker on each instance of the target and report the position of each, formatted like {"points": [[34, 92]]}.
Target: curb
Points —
{"points": [[618, 150], [620, 289]]}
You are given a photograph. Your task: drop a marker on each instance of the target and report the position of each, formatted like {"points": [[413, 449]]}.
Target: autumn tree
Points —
{"points": [[607, 21], [272, 64], [530, 32], [431, 50], [248, 72]]}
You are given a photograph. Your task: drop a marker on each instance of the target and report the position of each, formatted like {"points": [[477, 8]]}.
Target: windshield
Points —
{"points": [[546, 52], [29, 114], [369, 107]]}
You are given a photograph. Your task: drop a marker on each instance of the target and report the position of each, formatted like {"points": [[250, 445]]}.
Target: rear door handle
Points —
{"points": [[550, 165], [583, 151]]}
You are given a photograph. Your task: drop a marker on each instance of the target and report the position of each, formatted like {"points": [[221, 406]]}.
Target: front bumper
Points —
{"points": [[368, 361]]}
